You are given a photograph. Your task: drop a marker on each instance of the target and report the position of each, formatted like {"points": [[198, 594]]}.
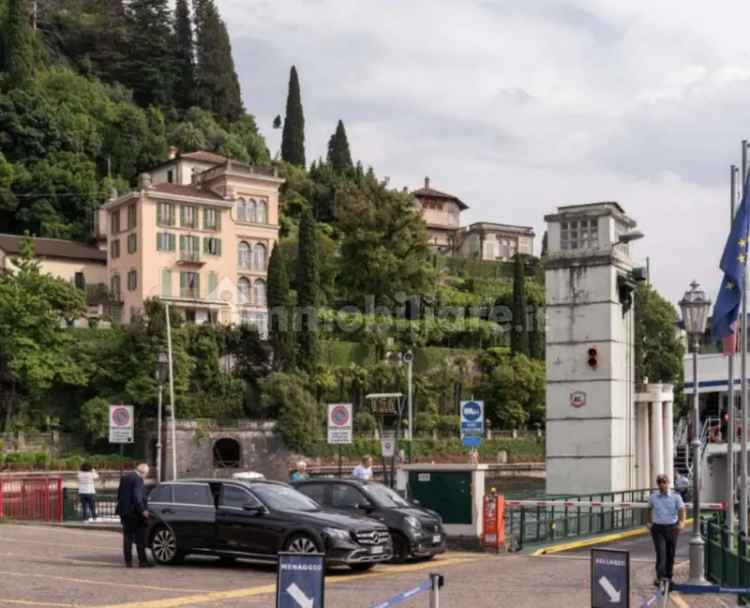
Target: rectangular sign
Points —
{"points": [[610, 578], [121, 424], [339, 423], [388, 443], [300, 580], [472, 422]]}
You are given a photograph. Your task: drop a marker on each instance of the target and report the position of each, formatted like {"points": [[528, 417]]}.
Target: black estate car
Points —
{"points": [[257, 519], [416, 531]]}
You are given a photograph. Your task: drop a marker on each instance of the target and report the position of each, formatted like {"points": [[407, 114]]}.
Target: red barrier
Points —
{"points": [[493, 532], [31, 498]]}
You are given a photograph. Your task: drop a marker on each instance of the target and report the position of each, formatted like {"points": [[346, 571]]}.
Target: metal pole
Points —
{"points": [[171, 395], [158, 434], [696, 542], [409, 373], [731, 425], [743, 363], [435, 591], [340, 461]]}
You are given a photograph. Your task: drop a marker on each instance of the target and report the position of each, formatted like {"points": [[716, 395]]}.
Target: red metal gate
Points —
{"points": [[31, 498]]}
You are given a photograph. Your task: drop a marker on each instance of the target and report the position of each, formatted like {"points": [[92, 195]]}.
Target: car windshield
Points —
{"points": [[283, 498], [385, 496]]}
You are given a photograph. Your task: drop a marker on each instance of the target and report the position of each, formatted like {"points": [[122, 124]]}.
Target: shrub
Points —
{"points": [[299, 419], [364, 422]]}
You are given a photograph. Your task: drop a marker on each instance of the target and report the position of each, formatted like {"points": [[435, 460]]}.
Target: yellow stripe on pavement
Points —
{"points": [[677, 599], [5, 600], [218, 596], [97, 582]]}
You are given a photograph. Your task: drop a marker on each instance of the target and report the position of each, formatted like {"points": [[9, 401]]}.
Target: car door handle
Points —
{"points": [[167, 511]]}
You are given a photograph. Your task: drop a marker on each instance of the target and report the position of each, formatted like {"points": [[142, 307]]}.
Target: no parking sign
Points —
{"points": [[339, 423], [121, 424]]}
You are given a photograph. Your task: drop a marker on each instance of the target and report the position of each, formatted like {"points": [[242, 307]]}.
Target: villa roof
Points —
{"points": [[180, 190], [427, 192], [53, 248]]}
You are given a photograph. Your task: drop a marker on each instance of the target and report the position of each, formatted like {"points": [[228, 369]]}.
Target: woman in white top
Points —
{"points": [[87, 492]]}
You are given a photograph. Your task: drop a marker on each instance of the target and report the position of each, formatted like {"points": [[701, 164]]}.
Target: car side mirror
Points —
{"points": [[416, 502], [252, 508], [366, 507]]}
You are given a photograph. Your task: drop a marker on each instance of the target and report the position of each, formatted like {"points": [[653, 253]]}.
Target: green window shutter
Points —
{"points": [[218, 219], [206, 248], [172, 242], [166, 282], [213, 283], [183, 242], [183, 280], [218, 246], [159, 244], [196, 243]]}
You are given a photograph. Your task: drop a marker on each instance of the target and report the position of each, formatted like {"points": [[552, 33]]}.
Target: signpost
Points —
{"points": [[610, 578], [121, 426], [388, 443], [300, 580], [339, 426], [472, 422]]}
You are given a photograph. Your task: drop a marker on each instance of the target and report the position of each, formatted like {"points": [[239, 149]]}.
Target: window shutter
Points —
{"points": [[218, 246], [183, 244], [206, 245], [166, 282], [213, 283], [172, 242]]}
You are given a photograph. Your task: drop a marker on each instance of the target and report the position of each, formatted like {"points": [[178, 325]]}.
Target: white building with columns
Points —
{"points": [[654, 442]]}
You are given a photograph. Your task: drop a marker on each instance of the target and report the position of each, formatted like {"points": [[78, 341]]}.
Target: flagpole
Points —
{"points": [[731, 425], [743, 363]]}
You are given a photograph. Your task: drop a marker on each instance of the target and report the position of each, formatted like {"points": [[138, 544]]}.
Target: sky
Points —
{"points": [[519, 107]]}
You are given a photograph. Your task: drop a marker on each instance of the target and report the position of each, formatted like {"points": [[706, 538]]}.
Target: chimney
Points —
{"points": [[427, 183], [406, 190], [144, 181], [172, 152]]}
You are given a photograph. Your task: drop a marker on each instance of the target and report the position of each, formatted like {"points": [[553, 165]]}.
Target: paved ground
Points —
{"points": [[48, 566]]}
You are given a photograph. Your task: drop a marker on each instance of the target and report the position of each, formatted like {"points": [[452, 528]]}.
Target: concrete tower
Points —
{"points": [[589, 357]]}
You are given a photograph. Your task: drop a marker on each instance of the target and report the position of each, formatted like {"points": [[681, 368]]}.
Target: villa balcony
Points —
{"points": [[190, 258]]}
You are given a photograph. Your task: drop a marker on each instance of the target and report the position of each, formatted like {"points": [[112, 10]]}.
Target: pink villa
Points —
{"points": [[197, 233]]}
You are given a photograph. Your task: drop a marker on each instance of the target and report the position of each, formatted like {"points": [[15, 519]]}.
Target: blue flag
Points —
{"points": [[733, 261]]}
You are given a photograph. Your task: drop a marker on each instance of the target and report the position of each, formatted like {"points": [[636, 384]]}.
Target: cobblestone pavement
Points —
{"points": [[66, 568]]}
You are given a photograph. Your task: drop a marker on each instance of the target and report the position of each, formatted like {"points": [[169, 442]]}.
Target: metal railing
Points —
{"points": [[31, 498], [726, 555], [527, 525], [106, 503]]}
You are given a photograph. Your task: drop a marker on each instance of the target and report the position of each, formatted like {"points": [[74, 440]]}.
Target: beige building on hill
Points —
{"points": [[197, 233], [481, 240]]}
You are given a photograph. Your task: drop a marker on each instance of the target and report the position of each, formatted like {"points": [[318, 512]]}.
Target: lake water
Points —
{"points": [[517, 487]]}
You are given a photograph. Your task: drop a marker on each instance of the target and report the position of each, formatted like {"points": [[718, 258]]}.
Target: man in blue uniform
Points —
{"points": [[665, 519]]}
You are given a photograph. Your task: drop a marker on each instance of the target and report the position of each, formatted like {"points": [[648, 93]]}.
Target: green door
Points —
{"points": [[448, 493]]}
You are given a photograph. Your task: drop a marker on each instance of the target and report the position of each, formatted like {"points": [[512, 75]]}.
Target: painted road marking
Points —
{"points": [[44, 542], [5, 600], [218, 596], [98, 582]]}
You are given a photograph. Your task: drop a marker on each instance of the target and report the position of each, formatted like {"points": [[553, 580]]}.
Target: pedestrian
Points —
{"points": [[682, 483], [364, 469], [300, 473], [133, 511], [665, 519], [87, 475]]}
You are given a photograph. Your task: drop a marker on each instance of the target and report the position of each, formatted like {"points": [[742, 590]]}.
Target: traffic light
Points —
{"points": [[593, 357]]}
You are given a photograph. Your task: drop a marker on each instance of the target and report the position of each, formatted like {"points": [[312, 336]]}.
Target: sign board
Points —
{"points": [[472, 422], [339, 423], [299, 580], [610, 578], [388, 444], [577, 398], [121, 424]]}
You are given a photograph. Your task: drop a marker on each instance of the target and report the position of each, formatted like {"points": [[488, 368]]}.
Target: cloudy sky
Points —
{"points": [[520, 106]]}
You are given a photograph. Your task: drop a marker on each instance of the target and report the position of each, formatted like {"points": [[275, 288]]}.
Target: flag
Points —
{"points": [[733, 261]]}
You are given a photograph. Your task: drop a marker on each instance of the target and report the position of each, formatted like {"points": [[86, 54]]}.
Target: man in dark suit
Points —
{"points": [[133, 511]]}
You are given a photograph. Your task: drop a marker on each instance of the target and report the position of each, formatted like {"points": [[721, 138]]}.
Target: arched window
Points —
{"points": [[227, 454], [259, 257], [243, 289], [260, 293], [252, 211], [262, 212], [242, 210], [245, 255]]}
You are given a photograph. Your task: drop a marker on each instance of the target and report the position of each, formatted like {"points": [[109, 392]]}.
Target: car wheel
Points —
{"points": [[164, 546], [361, 567], [301, 543], [400, 547]]}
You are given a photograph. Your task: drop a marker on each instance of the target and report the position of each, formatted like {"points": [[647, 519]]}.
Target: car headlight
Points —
{"points": [[413, 522], [337, 533]]}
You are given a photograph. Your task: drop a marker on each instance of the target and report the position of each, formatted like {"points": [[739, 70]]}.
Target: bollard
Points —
{"points": [[437, 582]]}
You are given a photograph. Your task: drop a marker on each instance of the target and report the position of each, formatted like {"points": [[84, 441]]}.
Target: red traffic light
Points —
{"points": [[593, 357]]}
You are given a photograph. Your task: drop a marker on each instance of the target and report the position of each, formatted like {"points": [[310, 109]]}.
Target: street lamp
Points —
{"points": [[694, 306], [162, 373], [408, 358]]}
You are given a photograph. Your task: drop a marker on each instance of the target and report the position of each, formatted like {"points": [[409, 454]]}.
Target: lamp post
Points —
{"points": [[162, 373], [694, 306], [408, 358]]}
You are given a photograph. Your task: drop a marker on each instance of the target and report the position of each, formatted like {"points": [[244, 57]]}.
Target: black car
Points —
{"points": [[416, 531], [257, 519]]}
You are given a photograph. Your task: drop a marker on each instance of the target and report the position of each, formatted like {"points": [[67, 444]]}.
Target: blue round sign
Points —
{"points": [[472, 411]]}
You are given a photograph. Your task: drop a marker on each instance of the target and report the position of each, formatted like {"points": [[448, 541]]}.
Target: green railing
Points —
{"points": [[726, 556], [525, 525]]}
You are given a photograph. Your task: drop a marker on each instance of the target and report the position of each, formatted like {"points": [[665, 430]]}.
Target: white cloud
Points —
{"points": [[520, 107]]}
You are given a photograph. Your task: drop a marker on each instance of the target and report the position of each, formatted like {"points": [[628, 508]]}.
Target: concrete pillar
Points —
{"points": [[643, 447], [657, 440], [667, 424]]}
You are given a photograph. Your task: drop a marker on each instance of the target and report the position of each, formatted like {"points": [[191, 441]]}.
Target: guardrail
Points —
{"points": [[34, 499], [726, 555], [106, 503]]}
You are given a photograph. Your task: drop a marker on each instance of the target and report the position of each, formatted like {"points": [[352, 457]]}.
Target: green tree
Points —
{"points": [[298, 417], [34, 345], [339, 156], [216, 82], [184, 56], [308, 293], [384, 246], [293, 134], [280, 309], [514, 390], [19, 43], [519, 336]]}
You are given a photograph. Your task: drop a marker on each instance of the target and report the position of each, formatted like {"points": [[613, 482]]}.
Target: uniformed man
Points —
{"points": [[665, 519]]}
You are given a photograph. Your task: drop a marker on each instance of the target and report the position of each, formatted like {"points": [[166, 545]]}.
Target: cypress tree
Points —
{"points": [[339, 155], [308, 288], [293, 135], [279, 306], [184, 59], [519, 336], [217, 87], [19, 51]]}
